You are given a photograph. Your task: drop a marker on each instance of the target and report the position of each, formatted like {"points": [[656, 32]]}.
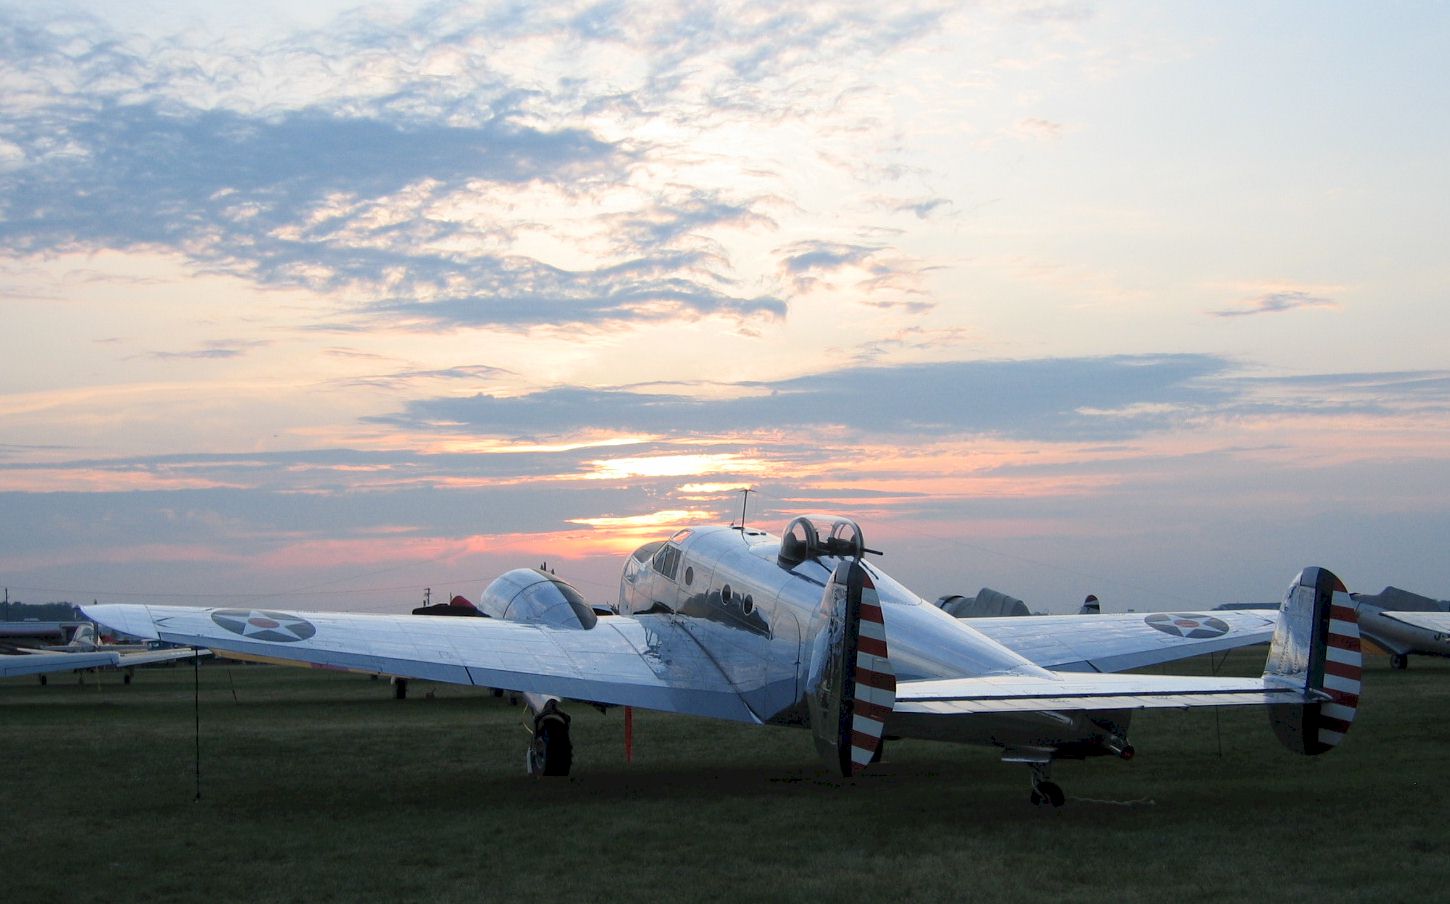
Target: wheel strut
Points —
{"points": [[550, 751]]}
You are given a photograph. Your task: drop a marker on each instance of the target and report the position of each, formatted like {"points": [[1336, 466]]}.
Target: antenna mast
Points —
{"points": [[744, 498]]}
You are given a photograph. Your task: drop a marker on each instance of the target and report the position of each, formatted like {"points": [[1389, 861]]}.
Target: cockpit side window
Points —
{"points": [[667, 560]]}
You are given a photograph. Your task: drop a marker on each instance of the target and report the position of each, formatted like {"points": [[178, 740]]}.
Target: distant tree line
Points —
{"points": [[18, 611]]}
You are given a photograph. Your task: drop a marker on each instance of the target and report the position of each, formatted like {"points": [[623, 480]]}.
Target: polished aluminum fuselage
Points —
{"points": [[758, 620]]}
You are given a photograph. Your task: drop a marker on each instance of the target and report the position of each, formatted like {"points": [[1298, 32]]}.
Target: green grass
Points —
{"points": [[319, 787]]}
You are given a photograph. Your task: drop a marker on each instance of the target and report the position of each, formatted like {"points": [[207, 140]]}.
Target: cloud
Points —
{"points": [[214, 350], [448, 167], [480, 373], [1275, 302], [876, 275], [1050, 399]]}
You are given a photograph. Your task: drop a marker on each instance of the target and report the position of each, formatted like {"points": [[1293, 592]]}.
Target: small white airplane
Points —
{"points": [[802, 630], [1403, 623], [85, 651]]}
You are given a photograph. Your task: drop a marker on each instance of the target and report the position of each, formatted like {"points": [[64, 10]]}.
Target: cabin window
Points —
{"points": [[689, 575], [667, 561]]}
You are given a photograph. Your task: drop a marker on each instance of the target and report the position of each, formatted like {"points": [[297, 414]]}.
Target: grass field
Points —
{"points": [[320, 787]]}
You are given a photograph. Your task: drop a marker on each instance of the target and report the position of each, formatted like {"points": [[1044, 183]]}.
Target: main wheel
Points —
{"points": [[551, 753], [1047, 793]]}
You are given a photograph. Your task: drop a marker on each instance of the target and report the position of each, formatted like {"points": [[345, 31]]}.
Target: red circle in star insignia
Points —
{"points": [[1188, 624], [264, 625]]}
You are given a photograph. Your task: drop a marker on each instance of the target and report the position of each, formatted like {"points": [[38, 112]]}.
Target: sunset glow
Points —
{"points": [[344, 303]]}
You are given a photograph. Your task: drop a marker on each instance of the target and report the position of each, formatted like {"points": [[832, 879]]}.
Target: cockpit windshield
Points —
{"points": [[813, 536]]}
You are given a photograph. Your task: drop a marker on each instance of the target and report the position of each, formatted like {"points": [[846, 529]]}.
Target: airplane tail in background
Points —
{"points": [[853, 686], [1316, 647]]}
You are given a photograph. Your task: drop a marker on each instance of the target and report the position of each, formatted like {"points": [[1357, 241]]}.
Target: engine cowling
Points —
{"points": [[536, 597]]}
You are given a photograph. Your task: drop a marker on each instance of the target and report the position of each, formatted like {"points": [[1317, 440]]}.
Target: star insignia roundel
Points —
{"points": [[259, 624], [1195, 627]]}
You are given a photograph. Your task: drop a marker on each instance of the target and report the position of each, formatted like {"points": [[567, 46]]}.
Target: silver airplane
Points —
{"points": [[85, 651], [1402, 623], [803, 630]]}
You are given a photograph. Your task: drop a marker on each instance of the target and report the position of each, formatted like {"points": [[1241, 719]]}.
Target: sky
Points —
{"points": [[319, 305]]}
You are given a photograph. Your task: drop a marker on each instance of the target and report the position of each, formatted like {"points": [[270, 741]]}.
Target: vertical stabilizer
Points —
{"points": [[853, 687], [1316, 647]]}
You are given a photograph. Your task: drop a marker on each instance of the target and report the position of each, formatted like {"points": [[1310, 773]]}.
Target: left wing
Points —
{"points": [[646, 661], [1112, 643], [42, 663]]}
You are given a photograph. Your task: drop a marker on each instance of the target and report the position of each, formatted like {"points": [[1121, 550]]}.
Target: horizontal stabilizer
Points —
{"points": [[1087, 691]]}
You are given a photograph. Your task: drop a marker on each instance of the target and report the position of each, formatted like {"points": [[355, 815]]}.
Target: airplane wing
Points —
{"points": [[1112, 643], [645, 661], [41, 663], [1426, 621], [152, 657]]}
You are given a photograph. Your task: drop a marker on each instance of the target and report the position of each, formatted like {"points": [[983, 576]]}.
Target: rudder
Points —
{"points": [[1316, 646], [853, 686]]}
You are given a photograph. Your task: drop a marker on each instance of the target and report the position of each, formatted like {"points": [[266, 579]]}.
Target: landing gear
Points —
{"points": [[1399, 661], [1043, 790], [550, 753]]}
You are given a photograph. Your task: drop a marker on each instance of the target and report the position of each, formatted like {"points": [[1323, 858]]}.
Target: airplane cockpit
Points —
{"points": [[813, 536]]}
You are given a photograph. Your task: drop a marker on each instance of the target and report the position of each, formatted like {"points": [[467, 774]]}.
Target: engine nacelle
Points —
{"points": [[537, 598]]}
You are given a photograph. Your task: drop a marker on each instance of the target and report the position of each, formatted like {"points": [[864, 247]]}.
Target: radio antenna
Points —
{"points": [[744, 498]]}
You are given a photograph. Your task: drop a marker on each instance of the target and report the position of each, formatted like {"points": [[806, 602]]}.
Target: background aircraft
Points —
{"points": [[1403, 623], [84, 650], [801, 630]]}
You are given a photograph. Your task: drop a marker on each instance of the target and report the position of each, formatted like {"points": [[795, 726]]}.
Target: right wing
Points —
{"points": [[647, 661], [1112, 643]]}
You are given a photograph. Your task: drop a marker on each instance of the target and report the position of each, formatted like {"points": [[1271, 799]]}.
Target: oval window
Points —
{"points": [[725, 593], [689, 575], [747, 605]]}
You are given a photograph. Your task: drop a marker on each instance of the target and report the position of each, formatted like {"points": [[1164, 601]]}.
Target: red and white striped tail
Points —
{"points": [[1316, 647], [1342, 668], [875, 685]]}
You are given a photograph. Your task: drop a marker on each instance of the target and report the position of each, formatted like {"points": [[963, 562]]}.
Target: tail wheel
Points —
{"points": [[1399, 661], [551, 753]]}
